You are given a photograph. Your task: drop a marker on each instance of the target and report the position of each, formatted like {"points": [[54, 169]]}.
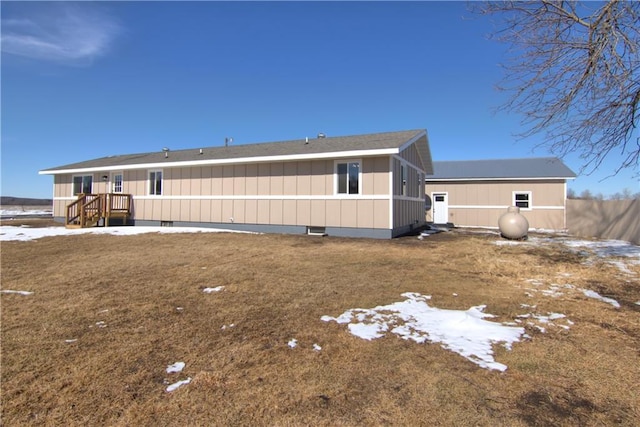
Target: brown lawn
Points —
{"points": [[132, 305]]}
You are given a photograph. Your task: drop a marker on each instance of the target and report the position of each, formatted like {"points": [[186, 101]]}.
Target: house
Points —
{"points": [[364, 185], [475, 193]]}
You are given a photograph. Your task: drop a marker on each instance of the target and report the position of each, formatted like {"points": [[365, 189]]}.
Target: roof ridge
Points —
{"points": [[211, 147], [499, 159]]}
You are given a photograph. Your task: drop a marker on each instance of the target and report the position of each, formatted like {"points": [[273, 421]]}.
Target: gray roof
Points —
{"points": [[377, 141], [531, 168]]}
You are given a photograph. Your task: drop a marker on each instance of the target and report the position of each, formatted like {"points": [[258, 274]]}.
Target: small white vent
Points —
{"points": [[316, 231]]}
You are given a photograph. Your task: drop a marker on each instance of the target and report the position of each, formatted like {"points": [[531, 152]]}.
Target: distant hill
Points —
{"points": [[22, 201]]}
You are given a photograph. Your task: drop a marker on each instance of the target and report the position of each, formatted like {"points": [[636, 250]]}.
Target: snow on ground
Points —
{"points": [[175, 385], [460, 331], [9, 233], [595, 295], [211, 290], [175, 367], [14, 211], [624, 253], [538, 320], [9, 291], [555, 290], [463, 332]]}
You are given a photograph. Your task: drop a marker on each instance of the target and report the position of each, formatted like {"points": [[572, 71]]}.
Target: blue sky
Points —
{"points": [[87, 80]]}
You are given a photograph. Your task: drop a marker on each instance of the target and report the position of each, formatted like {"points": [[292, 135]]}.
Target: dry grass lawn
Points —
{"points": [[135, 304]]}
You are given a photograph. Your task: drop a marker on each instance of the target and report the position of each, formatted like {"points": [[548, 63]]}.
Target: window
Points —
{"points": [[419, 192], [117, 183], [403, 177], [348, 177], [155, 183], [522, 199], [82, 184]]}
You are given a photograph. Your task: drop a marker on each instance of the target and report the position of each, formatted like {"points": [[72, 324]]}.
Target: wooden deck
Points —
{"points": [[89, 209]]}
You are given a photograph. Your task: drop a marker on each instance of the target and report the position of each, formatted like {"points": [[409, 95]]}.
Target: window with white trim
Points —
{"points": [[522, 199], [403, 180], [419, 192], [116, 183], [155, 182], [348, 177], [82, 184]]}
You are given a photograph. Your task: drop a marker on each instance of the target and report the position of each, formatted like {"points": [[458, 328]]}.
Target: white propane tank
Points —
{"points": [[512, 224]]}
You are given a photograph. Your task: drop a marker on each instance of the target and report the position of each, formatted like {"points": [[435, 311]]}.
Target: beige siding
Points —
{"points": [[290, 179], [289, 214], [251, 214], [251, 186], [480, 203], [332, 212], [318, 213], [365, 214], [348, 213], [381, 214], [410, 154], [205, 211], [275, 212], [239, 211], [303, 212], [321, 178], [276, 179], [59, 208], [263, 212], [303, 178], [408, 212], [219, 194], [239, 180], [408, 209]]}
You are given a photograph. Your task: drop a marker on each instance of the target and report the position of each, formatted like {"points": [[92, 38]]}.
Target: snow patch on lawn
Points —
{"points": [[176, 367], [211, 290], [178, 384], [595, 295], [11, 233], [627, 254], [18, 211], [10, 291], [556, 290], [463, 332]]}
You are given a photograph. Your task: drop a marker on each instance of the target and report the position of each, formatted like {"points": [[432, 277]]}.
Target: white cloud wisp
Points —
{"points": [[61, 34]]}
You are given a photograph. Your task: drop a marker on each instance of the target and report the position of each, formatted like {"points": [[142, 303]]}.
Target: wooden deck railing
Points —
{"points": [[89, 209]]}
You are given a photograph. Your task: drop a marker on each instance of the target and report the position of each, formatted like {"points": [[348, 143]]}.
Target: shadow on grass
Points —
{"points": [[540, 408]]}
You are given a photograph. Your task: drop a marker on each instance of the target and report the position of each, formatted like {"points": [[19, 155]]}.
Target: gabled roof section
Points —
{"points": [[421, 142], [531, 168], [329, 147]]}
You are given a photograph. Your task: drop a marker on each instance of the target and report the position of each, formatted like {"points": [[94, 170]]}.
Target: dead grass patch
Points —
{"points": [[134, 304]]}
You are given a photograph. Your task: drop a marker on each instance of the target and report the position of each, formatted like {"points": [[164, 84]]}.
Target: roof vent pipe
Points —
{"points": [[201, 151], [306, 140], [321, 135]]}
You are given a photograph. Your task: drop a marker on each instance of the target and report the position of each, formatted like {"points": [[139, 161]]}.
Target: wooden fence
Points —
{"points": [[607, 219]]}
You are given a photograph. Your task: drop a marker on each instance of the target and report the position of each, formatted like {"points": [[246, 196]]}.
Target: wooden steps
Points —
{"points": [[89, 209]]}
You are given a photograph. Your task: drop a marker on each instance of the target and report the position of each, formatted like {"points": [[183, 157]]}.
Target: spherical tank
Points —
{"points": [[512, 224]]}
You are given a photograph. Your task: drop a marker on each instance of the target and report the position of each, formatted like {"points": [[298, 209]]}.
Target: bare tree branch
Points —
{"points": [[574, 75]]}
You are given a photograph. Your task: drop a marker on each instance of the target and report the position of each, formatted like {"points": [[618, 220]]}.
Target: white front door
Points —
{"points": [[440, 208]]}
